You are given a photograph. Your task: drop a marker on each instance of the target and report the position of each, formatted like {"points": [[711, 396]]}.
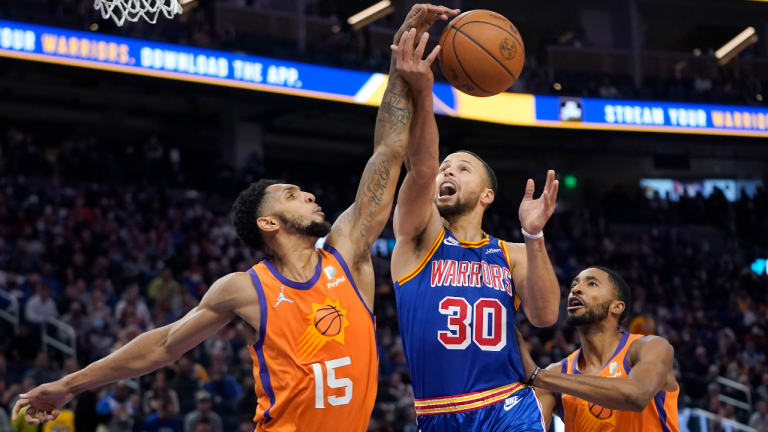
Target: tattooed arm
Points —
{"points": [[417, 222], [360, 225]]}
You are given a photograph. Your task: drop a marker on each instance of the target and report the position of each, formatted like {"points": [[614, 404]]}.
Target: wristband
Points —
{"points": [[533, 237], [533, 377]]}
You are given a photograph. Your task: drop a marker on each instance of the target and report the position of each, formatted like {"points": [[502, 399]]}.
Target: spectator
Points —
{"points": [[5, 423], [160, 392], [203, 413], [185, 384], [40, 306], [204, 425], [141, 311], [246, 406], [762, 389], [226, 391], [44, 371], [164, 420], [759, 419], [164, 286], [117, 409], [77, 319]]}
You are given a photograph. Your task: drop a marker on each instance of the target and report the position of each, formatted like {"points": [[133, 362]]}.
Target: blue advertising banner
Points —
{"points": [[135, 56], [168, 61], [651, 116]]}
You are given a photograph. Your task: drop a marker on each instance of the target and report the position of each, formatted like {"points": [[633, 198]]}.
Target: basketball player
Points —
{"points": [[458, 289], [616, 381], [307, 312]]}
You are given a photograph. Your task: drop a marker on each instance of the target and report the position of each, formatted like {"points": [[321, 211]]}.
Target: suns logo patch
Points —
{"points": [[326, 323]]}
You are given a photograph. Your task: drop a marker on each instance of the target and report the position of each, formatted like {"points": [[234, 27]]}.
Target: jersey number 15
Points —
{"points": [[489, 331]]}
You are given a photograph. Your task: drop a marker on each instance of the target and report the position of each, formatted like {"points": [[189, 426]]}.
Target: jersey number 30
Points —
{"points": [[489, 331]]}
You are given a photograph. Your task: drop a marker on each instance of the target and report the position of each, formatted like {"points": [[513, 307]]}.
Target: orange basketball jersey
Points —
{"points": [[581, 416], [315, 362]]}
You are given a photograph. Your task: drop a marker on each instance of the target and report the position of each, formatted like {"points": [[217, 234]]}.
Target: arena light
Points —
{"points": [[370, 14], [736, 45]]}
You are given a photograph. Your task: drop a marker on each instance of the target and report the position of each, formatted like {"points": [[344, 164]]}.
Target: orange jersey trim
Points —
{"points": [[424, 261], [464, 403], [503, 245]]}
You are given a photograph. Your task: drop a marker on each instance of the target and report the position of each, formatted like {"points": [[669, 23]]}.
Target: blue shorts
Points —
{"points": [[520, 412]]}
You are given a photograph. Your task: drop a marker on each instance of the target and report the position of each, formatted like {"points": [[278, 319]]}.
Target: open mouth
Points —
{"points": [[447, 190], [320, 211], [574, 303]]}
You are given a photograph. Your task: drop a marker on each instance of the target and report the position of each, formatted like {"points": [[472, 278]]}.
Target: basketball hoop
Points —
{"points": [[132, 10]]}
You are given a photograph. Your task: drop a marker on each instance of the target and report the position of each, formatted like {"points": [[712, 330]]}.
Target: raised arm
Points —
{"points": [[651, 359], [146, 353], [417, 220], [532, 272], [360, 225]]}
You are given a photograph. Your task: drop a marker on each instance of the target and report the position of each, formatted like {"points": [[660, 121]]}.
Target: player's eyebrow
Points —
{"points": [[589, 277], [464, 160], [290, 188]]}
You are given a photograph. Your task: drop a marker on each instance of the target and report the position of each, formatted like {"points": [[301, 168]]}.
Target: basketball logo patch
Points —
{"points": [[326, 323], [600, 412], [507, 49]]}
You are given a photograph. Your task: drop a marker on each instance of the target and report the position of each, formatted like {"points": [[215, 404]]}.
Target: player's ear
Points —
{"points": [[487, 197], [268, 223], [618, 307]]}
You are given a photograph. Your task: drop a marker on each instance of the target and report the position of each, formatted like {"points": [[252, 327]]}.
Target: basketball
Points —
{"points": [[328, 321], [600, 412], [482, 53]]}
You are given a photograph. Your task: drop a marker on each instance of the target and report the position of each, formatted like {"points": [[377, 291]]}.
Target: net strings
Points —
{"points": [[133, 10]]}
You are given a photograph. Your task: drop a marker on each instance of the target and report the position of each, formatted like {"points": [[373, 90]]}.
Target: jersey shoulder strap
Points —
{"points": [[425, 260]]}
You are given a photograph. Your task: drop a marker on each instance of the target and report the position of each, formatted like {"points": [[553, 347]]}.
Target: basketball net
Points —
{"points": [[132, 10]]}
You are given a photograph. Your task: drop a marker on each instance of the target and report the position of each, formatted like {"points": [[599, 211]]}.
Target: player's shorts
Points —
{"points": [[520, 412]]}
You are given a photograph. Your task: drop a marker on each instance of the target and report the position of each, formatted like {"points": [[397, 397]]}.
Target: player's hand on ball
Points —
{"points": [[410, 65], [534, 213], [529, 366], [421, 17], [42, 402]]}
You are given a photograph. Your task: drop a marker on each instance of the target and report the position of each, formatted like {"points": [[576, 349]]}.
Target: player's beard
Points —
{"points": [[591, 316], [313, 229], [459, 208]]}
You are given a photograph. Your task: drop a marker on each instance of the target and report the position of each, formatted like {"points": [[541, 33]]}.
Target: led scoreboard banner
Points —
{"points": [[185, 63]]}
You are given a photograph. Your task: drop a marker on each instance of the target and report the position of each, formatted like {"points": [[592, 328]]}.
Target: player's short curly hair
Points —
{"points": [[620, 289], [247, 208]]}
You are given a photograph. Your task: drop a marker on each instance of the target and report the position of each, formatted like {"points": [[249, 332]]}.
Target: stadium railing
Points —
{"points": [[697, 420], [69, 348], [747, 406]]}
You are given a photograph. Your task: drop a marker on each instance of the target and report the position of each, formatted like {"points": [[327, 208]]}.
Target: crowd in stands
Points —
{"points": [[113, 257], [348, 48]]}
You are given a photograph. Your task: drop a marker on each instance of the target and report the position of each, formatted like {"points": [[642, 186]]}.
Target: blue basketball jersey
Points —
{"points": [[457, 318]]}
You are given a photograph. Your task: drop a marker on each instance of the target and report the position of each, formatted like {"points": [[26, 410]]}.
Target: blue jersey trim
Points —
{"points": [[258, 347], [296, 285]]}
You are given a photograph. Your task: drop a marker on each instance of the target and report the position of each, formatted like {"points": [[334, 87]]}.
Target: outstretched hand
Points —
{"points": [[410, 65], [421, 17], [534, 213], [43, 403]]}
